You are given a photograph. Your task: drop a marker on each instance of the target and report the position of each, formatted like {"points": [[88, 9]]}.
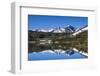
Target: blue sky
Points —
{"points": [[48, 22]]}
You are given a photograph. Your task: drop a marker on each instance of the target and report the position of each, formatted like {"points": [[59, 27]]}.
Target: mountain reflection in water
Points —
{"points": [[38, 47], [50, 52]]}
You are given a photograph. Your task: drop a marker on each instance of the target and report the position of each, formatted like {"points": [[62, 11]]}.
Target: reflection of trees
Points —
{"points": [[39, 47], [62, 41]]}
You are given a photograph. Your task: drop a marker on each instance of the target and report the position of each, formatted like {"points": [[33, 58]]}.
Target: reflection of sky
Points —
{"points": [[53, 56], [48, 22]]}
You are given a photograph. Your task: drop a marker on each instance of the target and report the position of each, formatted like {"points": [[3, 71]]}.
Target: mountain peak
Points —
{"points": [[68, 29]]}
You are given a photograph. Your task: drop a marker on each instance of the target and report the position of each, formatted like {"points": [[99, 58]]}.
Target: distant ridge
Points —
{"points": [[68, 29]]}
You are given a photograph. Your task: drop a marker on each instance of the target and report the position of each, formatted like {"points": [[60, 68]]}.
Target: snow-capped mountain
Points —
{"points": [[43, 30], [50, 30], [80, 30], [58, 30], [68, 29]]}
